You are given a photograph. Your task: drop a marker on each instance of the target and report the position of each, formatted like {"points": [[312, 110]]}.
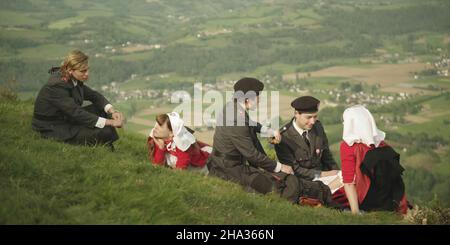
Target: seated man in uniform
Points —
{"points": [[58, 111], [304, 146], [237, 153]]}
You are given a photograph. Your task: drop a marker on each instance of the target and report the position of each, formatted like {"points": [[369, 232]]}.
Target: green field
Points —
{"points": [[81, 16], [12, 18]]}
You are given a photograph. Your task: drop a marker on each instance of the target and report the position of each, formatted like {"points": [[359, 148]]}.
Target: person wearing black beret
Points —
{"points": [[238, 155], [304, 146]]}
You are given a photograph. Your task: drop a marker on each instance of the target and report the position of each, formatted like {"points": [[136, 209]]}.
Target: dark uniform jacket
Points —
{"points": [[58, 111], [235, 145], [307, 162]]}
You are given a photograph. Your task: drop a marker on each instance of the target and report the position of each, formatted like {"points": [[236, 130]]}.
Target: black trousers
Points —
{"points": [[94, 136], [256, 180]]}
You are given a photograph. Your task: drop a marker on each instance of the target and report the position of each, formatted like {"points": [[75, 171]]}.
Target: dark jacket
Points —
{"points": [[236, 145], [58, 111], [382, 166], [307, 162]]}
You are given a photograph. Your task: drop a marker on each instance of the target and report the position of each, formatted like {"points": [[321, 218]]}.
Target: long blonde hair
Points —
{"points": [[75, 60]]}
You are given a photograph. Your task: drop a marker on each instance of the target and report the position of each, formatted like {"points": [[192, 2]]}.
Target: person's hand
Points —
{"points": [[114, 123], [159, 142], [276, 138], [329, 173], [117, 123], [117, 116], [286, 169]]}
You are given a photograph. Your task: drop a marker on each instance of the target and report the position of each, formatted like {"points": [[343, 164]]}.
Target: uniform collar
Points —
{"points": [[74, 82], [298, 129]]}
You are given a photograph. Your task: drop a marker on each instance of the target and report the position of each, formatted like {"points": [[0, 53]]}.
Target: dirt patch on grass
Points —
{"points": [[138, 48], [446, 40], [416, 119]]}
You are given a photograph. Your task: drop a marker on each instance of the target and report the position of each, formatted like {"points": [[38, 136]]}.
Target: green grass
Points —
{"points": [[436, 40], [444, 166], [65, 23], [132, 28], [46, 182], [46, 52], [139, 83], [419, 160], [80, 18], [136, 56], [133, 127], [334, 132], [434, 127], [312, 66], [26, 95], [424, 82], [439, 104], [23, 33], [309, 13], [142, 83], [12, 18]]}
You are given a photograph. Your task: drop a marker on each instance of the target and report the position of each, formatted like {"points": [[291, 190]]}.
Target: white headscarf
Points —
{"points": [[360, 127], [181, 137]]}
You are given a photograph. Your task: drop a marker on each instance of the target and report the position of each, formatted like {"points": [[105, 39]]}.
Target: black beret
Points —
{"points": [[247, 84], [306, 104]]}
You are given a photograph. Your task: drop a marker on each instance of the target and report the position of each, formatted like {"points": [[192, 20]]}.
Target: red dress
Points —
{"points": [[351, 158], [193, 156]]}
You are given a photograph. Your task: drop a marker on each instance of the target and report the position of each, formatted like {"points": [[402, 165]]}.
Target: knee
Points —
{"points": [[292, 180], [108, 134], [292, 184], [291, 189], [261, 184]]}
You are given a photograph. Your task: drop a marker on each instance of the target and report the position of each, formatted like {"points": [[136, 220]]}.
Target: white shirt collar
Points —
{"points": [[75, 83], [242, 105], [299, 130]]}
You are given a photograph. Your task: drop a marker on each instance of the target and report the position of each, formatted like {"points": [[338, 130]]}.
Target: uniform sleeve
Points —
{"points": [[305, 173], [95, 97], [258, 127], [242, 141], [284, 155], [60, 98], [348, 163], [101, 122]]}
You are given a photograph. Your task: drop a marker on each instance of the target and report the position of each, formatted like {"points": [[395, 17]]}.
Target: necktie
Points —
{"points": [[306, 138]]}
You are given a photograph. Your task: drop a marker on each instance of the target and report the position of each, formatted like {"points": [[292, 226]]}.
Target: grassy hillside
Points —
{"points": [[45, 182]]}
